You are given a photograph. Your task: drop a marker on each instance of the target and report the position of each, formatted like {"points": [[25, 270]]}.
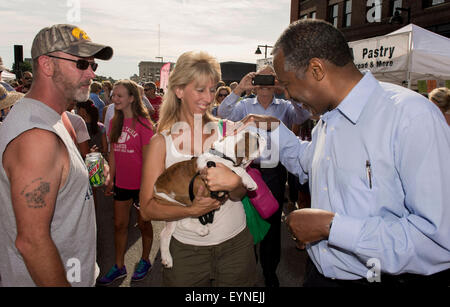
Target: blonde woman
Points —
{"points": [[130, 130], [225, 256], [441, 97], [221, 93]]}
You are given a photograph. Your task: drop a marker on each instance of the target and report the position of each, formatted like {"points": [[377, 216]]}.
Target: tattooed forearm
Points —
{"points": [[35, 193]]}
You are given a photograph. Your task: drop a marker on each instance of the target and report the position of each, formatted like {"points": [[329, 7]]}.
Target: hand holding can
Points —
{"points": [[95, 165]]}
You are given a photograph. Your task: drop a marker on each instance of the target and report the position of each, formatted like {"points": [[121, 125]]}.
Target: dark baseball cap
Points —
{"points": [[69, 39]]}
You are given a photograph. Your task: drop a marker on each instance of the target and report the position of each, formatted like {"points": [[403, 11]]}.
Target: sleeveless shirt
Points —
{"points": [[229, 220], [73, 226]]}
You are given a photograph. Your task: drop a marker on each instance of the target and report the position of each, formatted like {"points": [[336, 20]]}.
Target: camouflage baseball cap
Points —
{"points": [[69, 39]]}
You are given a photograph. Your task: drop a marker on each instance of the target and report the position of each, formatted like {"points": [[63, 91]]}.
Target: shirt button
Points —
{"points": [[332, 128], [328, 158], [325, 189]]}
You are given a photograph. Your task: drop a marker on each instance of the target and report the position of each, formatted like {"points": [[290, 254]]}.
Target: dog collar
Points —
{"points": [[219, 154], [208, 217]]}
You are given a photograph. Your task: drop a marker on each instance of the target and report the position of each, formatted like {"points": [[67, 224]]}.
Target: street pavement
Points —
{"points": [[290, 270]]}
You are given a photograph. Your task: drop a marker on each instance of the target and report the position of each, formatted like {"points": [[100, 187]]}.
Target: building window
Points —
{"points": [[429, 3], [304, 16], [333, 14], [347, 13], [313, 15], [393, 5]]}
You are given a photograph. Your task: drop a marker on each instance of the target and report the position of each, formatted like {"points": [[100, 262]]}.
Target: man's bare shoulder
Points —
{"points": [[33, 147]]}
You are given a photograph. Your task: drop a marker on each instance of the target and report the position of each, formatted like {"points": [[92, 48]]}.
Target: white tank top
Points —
{"points": [[229, 220]]}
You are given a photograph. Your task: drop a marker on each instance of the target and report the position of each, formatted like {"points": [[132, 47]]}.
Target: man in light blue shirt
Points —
{"points": [[264, 103], [273, 174], [378, 168], [96, 88]]}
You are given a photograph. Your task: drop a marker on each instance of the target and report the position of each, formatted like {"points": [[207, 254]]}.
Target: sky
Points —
{"points": [[141, 30]]}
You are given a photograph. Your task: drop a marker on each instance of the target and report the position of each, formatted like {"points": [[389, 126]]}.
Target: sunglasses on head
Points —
{"points": [[81, 64]]}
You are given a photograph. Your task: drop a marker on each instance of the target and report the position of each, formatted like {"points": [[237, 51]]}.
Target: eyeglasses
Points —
{"points": [[81, 64], [222, 95]]}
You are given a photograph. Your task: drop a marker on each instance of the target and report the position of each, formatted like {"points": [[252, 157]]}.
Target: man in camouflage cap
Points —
{"points": [[47, 215]]}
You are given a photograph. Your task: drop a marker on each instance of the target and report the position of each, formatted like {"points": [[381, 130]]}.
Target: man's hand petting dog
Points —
{"points": [[264, 122], [203, 204]]}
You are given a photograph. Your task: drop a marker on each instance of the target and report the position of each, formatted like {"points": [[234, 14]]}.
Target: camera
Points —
{"points": [[263, 80]]}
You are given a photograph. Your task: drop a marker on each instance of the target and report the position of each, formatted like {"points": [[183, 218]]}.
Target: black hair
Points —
{"points": [[92, 110], [311, 38]]}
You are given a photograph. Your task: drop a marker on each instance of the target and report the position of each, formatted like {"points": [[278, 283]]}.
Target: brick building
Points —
{"points": [[149, 71], [359, 19]]}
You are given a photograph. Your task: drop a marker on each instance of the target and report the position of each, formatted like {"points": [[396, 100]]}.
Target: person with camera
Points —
{"points": [[265, 103]]}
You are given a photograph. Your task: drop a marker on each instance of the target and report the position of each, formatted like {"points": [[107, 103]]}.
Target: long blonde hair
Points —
{"points": [[137, 107], [216, 97], [190, 66]]}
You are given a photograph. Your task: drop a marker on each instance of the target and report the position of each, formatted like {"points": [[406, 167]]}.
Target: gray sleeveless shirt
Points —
{"points": [[73, 227]]}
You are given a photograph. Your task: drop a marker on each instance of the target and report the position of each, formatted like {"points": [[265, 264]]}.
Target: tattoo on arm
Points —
{"points": [[35, 193]]}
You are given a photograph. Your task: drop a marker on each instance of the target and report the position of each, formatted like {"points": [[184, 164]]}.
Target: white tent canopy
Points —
{"points": [[404, 56]]}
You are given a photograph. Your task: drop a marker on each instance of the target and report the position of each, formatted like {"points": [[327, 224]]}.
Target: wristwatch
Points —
{"points": [[331, 224]]}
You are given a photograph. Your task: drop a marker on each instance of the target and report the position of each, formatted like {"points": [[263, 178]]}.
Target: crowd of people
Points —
{"points": [[369, 181]]}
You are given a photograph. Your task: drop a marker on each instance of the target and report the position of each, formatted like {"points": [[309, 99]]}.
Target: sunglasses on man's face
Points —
{"points": [[81, 64]]}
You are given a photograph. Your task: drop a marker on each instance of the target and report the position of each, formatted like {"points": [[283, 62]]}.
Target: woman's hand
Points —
{"points": [[203, 204], [220, 178]]}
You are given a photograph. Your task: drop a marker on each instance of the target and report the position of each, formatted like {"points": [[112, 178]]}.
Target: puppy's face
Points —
{"points": [[242, 148]]}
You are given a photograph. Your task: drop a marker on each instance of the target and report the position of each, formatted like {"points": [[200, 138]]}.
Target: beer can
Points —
{"points": [[94, 164]]}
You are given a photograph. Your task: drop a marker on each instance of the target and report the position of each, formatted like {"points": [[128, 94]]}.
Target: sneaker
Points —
{"points": [[142, 268], [113, 274]]}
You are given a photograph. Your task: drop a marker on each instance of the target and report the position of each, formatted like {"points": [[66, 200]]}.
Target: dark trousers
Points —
{"points": [[270, 246], [294, 185], [313, 278]]}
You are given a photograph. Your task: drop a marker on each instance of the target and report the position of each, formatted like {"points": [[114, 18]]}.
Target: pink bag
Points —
{"points": [[262, 199]]}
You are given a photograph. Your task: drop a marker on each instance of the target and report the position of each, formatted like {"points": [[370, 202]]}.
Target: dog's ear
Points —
{"points": [[253, 147], [246, 148]]}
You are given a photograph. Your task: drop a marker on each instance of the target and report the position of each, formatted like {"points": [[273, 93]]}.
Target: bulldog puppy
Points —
{"points": [[179, 183]]}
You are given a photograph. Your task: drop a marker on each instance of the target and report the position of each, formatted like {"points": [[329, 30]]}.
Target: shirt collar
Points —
{"points": [[353, 104], [274, 100]]}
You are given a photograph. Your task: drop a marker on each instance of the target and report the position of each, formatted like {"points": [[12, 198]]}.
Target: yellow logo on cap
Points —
{"points": [[77, 32]]}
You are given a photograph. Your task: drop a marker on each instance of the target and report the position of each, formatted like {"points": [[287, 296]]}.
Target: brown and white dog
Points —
{"points": [[180, 182]]}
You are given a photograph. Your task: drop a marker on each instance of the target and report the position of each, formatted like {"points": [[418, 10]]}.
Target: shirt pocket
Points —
{"points": [[358, 196]]}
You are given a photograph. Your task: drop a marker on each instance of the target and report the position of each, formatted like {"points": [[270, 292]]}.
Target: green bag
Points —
{"points": [[256, 224]]}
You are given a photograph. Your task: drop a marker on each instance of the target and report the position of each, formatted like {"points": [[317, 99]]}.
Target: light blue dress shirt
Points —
{"points": [[397, 210], [99, 104], [289, 113]]}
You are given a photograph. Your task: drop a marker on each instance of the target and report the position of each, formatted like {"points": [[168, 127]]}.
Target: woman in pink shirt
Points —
{"points": [[131, 128]]}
